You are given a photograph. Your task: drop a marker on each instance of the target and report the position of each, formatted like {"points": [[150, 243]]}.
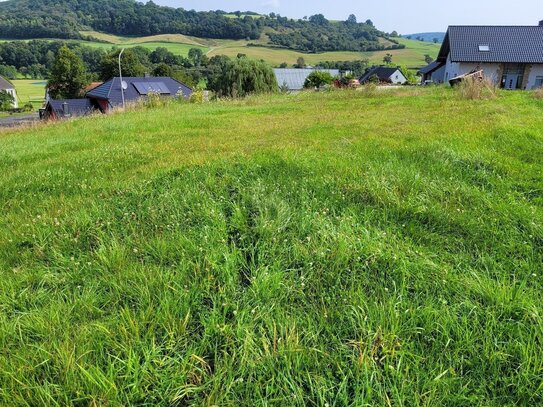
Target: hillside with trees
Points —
{"points": [[65, 19]]}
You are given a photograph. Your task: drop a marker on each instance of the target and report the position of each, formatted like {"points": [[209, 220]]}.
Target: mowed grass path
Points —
{"points": [[317, 249]]}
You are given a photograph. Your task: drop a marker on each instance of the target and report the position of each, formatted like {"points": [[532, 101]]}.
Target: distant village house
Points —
{"points": [[384, 74], [8, 87]]}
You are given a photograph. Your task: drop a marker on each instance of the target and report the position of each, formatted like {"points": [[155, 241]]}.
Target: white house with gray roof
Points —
{"points": [[8, 87], [510, 56]]}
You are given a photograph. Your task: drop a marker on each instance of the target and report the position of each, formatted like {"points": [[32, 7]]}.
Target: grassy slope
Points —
{"points": [[308, 249], [413, 56], [30, 90]]}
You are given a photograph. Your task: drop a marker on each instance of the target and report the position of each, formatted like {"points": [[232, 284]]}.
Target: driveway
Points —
{"points": [[13, 121]]}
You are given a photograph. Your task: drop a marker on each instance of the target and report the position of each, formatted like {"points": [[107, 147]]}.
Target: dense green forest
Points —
{"points": [[29, 19], [65, 18]]}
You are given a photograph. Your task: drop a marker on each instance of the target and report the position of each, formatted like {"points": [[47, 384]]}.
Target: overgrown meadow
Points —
{"points": [[321, 249]]}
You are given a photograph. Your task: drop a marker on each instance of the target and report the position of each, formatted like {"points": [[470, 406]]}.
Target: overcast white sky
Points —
{"points": [[404, 16]]}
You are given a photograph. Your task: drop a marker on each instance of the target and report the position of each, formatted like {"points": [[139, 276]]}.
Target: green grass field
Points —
{"points": [[275, 56], [30, 90], [412, 56], [320, 249]]}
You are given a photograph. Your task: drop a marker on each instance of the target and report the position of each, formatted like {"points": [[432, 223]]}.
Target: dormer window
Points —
{"points": [[484, 48]]}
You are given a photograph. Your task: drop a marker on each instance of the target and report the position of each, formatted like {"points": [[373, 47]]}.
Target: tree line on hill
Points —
{"points": [[64, 19], [317, 34]]}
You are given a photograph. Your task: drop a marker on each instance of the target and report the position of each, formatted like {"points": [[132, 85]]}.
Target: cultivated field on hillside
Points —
{"points": [[412, 56], [343, 248]]}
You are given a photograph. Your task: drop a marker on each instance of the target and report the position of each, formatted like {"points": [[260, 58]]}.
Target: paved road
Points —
{"points": [[13, 121]]}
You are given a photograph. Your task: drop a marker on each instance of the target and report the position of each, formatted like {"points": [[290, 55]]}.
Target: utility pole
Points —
{"points": [[121, 76]]}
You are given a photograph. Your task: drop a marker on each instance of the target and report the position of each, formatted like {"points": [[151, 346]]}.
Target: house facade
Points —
{"points": [[8, 87], [510, 56], [385, 74], [434, 73]]}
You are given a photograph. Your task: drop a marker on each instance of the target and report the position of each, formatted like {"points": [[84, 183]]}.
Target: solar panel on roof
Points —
{"points": [[144, 88]]}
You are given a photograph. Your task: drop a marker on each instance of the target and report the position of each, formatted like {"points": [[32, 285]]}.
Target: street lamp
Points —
{"points": [[121, 76]]}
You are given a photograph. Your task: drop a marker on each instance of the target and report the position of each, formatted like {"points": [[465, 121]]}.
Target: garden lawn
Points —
{"points": [[321, 249]]}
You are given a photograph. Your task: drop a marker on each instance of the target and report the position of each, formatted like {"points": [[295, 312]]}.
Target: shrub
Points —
{"points": [[154, 100], [242, 77], [373, 79], [538, 93], [28, 107], [6, 100], [410, 75], [197, 97], [477, 88], [317, 79]]}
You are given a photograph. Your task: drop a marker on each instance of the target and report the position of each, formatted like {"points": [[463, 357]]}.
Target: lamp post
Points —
{"points": [[121, 76]]}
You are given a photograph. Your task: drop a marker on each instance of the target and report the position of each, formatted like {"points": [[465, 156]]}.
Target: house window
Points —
{"points": [[514, 69], [539, 81], [484, 48]]}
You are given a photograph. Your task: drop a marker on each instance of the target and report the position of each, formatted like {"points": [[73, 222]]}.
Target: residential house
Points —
{"points": [[385, 74], [8, 87], [67, 108], [108, 95], [510, 56], [294, 79], [433, 72]]}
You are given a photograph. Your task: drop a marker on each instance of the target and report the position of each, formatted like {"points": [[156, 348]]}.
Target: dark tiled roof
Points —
{"points": [[431, 67], [111, 90], [513, 44], [5, 84], [76, 107], [383, 73]]}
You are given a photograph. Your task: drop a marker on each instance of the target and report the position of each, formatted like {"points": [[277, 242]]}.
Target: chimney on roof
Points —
{"points": [[541, 23], [65, 109], [147, 75]]}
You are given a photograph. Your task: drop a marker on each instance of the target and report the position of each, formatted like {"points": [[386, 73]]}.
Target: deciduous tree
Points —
{"points": [[6, 100], [130, 64], [317, 79], [68, 75]]}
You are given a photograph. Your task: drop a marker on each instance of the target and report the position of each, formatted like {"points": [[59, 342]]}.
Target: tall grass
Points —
{"points": [[538, 93], [311, 249], [477, 88]]}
